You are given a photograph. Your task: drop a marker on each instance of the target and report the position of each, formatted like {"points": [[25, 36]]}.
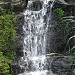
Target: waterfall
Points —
{"points": [[35, 29]]}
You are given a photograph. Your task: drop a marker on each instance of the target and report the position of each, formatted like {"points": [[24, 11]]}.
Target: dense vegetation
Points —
{"points": [[68, 24], [7, 40]]}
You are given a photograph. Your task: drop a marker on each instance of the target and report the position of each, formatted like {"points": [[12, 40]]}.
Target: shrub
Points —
{"points": [[7, 41]]}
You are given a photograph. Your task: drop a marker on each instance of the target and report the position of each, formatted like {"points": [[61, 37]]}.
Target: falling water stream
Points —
{"points": [[35, 29]]}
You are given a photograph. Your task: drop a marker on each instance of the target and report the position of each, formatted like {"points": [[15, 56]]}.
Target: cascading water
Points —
{"points": [[35, 29]]}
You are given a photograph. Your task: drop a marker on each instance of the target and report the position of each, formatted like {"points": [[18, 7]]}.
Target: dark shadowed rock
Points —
{"points": [[14, 5], [62, 66], [20, 34], [56, 40], [71, 2], [17, 69], [36, 6]]}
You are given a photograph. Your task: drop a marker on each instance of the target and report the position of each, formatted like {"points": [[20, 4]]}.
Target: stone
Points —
{"points": [[14, 5], [71, 2], [16, 69], [35, 6], [62, 65], [20, 34], [55, 35]]}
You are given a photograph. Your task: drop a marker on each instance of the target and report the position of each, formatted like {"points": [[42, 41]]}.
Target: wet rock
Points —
{"points": [[55, 36], [71, 2], [36, 6], [17, 69], [73, 71], [62, 66], [14, 5], [19, 65], [19, 52], [20, 34]]}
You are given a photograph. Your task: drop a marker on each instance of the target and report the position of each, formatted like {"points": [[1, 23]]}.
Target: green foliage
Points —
{"points": [[59, 12], [70, 39], [1, 11], [68, 23], [7, 41], [7, 33], [70, 49], [4, 65]]}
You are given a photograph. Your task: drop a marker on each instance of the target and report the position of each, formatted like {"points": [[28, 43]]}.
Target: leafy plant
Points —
{"points": [[2, 11], [59, 12], [7, 41], [68, 23], [4, 65]]}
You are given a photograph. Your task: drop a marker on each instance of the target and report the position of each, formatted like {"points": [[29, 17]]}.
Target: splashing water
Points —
{"points": [[35, 29]]}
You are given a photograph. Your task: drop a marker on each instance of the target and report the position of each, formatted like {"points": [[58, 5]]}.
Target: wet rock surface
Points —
{"points": [[58, 65], [35, 6], [20, 34], [14, 5], [71, 2], [62, 66], [55, 35]]}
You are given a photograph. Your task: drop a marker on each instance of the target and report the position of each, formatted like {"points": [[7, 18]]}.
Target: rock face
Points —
{"points": [[62, 66], [55, 36], [20, 5], [20, 23], [72, 2], [36, 6], [14, 5]]}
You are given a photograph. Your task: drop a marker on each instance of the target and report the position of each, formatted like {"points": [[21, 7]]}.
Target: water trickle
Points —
{"points": [[35, 29]]}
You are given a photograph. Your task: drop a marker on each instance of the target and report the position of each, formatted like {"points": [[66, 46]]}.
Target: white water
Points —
{"points": [[44, 72], [34, 47]]}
